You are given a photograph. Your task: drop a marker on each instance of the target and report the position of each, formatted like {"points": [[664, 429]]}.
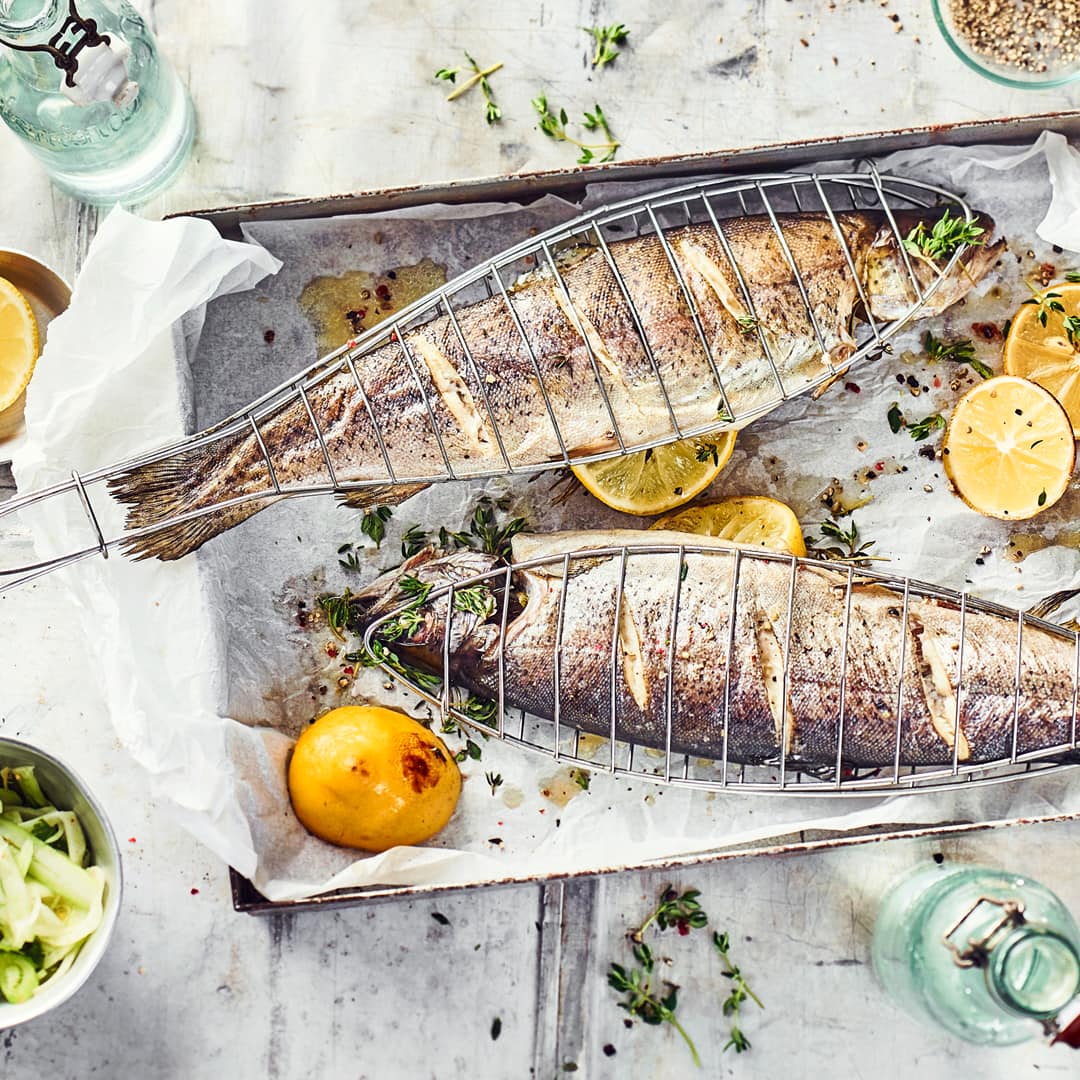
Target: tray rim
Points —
{"points": [[535, 184]]}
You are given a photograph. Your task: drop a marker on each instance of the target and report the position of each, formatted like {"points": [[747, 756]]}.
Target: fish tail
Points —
{"points": [[175, 486]]}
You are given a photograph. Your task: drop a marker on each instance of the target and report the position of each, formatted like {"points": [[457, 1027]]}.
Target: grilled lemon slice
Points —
{"points": [[745, 519], [656, 481], [1009, 448], [1050, 354], [18, 344]]}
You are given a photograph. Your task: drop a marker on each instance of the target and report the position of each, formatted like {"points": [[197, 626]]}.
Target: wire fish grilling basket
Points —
{"points": [[1024, 724], [705, 204]]}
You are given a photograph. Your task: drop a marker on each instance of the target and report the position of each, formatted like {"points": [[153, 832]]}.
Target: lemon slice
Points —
{"points": [[746, 519], [655, 481], [1009, 448], [1046, 354], [18, 343]]}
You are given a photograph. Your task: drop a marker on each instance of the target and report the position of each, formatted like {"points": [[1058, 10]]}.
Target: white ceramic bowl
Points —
{"points": [[68, 792]]}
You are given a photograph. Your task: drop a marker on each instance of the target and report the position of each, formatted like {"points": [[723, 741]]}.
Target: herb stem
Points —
{"points": [[472, 80], [670, 1017]]}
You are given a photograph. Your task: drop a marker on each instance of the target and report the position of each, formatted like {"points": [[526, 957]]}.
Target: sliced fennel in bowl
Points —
{"points": [[50, 903]]}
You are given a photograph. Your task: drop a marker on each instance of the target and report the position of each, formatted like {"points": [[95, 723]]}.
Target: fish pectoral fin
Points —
{"points": [[771, 659], [633, 662], [380, 495], [938, 691]]}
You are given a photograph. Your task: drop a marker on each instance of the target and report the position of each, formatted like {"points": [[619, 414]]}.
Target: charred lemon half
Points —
{"points": [[1009, 448], [372, 778]]}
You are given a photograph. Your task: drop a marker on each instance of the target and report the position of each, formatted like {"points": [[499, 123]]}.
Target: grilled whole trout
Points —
{"points": [[728, 688], [559, 364]]}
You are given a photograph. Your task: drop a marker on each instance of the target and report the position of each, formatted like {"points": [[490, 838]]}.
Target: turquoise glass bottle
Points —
{"points": [[83, 84], [994, 957]]}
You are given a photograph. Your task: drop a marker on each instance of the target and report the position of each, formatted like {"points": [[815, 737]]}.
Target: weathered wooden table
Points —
{"points": [[299, 99]]}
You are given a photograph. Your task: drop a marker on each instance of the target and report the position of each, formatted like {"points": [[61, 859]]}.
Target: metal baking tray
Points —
{"points": [[570, 183]]}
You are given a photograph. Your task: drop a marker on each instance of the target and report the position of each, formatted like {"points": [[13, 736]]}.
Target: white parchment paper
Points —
{"points": [[206, 670]]}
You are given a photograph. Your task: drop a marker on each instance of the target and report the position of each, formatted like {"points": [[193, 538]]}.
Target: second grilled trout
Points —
{"points": [[560, 362], [613, 628]]}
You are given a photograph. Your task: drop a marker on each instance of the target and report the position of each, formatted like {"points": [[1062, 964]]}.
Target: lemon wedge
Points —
{"points": [[745, 519], [1050, 354], [1009, 448], [18, 344], [656, 481]]}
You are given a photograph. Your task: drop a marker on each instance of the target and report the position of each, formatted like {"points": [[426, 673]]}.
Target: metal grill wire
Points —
{"points": [[616, 755], [708, 203]]}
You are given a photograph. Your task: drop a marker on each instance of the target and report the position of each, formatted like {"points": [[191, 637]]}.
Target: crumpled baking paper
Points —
{"points": [[107, 388]]}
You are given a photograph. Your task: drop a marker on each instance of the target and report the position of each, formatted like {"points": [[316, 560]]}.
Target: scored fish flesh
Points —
{"points": [[562, 366], [793, 661]]}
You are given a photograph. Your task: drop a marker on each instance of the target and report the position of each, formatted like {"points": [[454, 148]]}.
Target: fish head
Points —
{"points": [[889, 287], [415, 596]]}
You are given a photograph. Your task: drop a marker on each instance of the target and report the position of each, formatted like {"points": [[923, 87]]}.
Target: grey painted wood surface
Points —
{"points": [[298, 99]]}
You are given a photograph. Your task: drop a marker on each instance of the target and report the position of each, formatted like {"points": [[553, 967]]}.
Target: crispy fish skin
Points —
{"points": [[573, 354], [719, 669]]}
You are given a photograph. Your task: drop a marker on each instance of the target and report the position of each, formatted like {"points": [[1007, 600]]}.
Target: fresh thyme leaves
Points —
{"points": [[446, 537], [961, 351], [747, 323], [947, 234], [1073, 276], [649, 1005], [723, 415], [351, 561], [414, 540], [479, 76], [480, 710], [554, 126], [412, 586], [581, 777], [606, 37], [494, 539], [1042, 497], [895, 417], [336, 609], [922, 429], [469, 750], [494, 780], [476, 600], [855, 550], [374, 523], [1072, 331], [378, 653], [708, 450], [1046, 302], [673, 909], [740, 992]]}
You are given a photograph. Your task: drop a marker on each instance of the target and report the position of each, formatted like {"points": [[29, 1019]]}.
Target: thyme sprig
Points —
{"points": [[740, 992], [855, 550], [961, 351], [479, 76], [1046, 302], [554, 126], [414, 541], [643, 1001], [494, 781], [924, 428], [708, 450], [1071, 325], [374, 522], [945, 236], [476, 600], [606, 37], [673, 909]]}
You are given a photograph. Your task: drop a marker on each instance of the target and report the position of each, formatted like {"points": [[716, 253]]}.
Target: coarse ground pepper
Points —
{"points": [[1031, 35]]}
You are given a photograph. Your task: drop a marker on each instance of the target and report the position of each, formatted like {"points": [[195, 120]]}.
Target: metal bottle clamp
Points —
{"points": [[1063, 1028], [65, 49]]}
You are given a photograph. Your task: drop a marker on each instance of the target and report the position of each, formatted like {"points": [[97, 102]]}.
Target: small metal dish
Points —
{"points": [[1058, 71], [68, 792], [49, 294]]}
